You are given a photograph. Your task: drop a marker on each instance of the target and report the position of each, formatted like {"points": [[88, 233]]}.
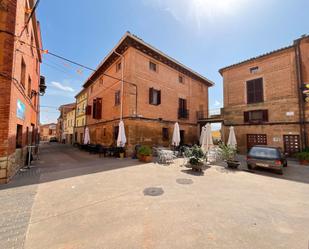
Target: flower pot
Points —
{"points": [[233, 164], [145, 159], [196, 167], [121, 155]]}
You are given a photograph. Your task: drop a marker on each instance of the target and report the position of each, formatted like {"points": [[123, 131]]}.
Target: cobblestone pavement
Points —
{"points": [[15, 212]]}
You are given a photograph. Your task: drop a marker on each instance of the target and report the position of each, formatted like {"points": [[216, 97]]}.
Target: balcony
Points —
{"points": [[183, 113], [212, 114]]}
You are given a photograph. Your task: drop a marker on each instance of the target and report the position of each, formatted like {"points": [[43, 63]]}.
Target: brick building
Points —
{"points": [[47, 131], [157, 92], [263, 98], [20, 58], [61, 121]]}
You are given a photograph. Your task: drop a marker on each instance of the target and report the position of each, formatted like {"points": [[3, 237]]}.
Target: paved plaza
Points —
{"points": [[71, 200]]}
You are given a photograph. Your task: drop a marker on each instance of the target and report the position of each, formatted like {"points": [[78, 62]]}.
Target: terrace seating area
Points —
{"points": [[105, 151]]}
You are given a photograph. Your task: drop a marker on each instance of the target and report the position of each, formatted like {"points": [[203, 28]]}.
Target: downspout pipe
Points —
{"points": [[300, 95], [122, 76]]}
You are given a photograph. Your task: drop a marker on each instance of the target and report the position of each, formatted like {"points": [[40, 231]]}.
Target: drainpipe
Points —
{"points": [[121, 91], [300, 94]]}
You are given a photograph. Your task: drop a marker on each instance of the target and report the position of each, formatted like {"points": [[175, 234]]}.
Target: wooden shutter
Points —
{"points": [[94, 107], [246, 117], [265, 115], [88, 110], [150, 95], [99, 108], [159, 97], [258, 85], [250, 92]]}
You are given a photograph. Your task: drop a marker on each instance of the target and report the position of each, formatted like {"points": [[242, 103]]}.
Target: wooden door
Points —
{"points": [[291, 144], [256, 139]]}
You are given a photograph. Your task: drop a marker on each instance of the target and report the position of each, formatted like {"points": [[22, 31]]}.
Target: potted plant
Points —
{"points": [[121, 152], [303, 157], [228, 154], [145, 154], [195, 157]]}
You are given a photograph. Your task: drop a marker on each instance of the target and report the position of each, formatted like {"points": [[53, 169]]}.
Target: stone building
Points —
{"points": [[47, 131], [157, 92], [20, 58], [263, 98], [61, 121], [80, 120], [69, 123]]}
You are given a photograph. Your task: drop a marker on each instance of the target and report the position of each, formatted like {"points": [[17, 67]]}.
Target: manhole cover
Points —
{"points": [[153, 191], [184, 181]]}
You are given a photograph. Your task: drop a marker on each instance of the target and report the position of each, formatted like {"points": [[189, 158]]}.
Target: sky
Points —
{"points": [[205, 35]]}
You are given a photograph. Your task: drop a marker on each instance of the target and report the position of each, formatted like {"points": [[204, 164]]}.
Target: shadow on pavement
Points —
{"points": [[58, 161]]}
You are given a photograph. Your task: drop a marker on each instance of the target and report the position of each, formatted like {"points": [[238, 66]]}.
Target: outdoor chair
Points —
{"points": [[166, 156]]}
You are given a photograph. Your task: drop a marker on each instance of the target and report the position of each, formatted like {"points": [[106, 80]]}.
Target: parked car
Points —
{"points": [[266, 157], [53, 140]]}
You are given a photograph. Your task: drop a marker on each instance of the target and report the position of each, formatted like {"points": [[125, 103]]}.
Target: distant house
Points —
{"points": [[80, 117], [263, 99], [62, 121], [47, 131], [158, 91]]}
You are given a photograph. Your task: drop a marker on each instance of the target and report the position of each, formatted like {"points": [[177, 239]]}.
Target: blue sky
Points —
{"points": [[205, 35]]}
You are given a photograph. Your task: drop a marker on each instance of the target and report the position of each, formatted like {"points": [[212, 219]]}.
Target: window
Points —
{"points": [[255, 91], [165, 135], [256, 116], [23, 73], [181, 79], [154, 96], [118, 66], [97, 108], [117, 98], [77, 122], [104, 131], [182, 109], [254, 69], [19, 136], [83, 122], [32, 44], [29, 87], [152, 66]]}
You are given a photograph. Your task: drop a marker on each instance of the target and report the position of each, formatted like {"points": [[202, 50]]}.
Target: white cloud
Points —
{"points": [[198, 12], [62, 87]]}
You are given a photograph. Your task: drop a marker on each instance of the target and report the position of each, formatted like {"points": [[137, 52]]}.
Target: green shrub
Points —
{"points": [[227, 152], [195, 155], [302, 155], [145, 151]]}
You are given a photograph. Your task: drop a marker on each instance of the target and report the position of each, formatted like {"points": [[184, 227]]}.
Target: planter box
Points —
{"points": [[304, 162]]}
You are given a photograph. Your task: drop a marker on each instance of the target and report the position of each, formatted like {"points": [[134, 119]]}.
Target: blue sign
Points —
{"points": [[21, 108]]}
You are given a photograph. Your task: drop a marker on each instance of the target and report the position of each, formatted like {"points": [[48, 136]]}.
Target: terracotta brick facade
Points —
{"points": [[19, 83], [144, 122], [281, 96]]}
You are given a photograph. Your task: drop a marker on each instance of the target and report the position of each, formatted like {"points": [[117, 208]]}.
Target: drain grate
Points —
{"points": [[153, 191], [184, 181]]}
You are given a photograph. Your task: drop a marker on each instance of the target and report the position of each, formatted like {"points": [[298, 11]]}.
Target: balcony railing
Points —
{"points": [[183, 113]]}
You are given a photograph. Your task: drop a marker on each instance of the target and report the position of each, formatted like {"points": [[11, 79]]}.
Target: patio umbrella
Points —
{"points": [[176, 135], [202, 135], [86, 136], [207, 138], [232, 138], [121, 140]]}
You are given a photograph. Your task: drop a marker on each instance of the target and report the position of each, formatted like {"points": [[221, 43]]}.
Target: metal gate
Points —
{"points": [[256, 139], [291, 144]]}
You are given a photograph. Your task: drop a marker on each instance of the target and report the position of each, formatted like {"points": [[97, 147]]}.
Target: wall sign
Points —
{"points": [[289, 114], [20, 111]]}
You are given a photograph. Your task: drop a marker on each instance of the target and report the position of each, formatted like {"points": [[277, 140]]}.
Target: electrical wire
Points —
{"points": [[29, 18]]}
